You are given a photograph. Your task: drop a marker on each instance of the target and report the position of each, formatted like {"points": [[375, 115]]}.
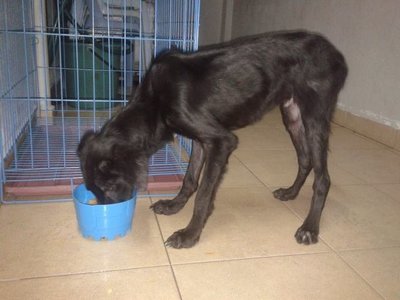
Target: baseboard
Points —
{"points": [[381, 133]]}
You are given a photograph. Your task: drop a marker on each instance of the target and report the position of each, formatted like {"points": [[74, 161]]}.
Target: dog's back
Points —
{"points": [[248, 76]]}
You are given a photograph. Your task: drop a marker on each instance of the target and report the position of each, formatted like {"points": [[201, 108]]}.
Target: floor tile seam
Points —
{"points": [[274, 187], [355, 271], [365, 137], [393, 151], [268, 148], [252, 173], [61, 275], [351, 173], [330, 161], [236, 186], [348, 172], [269, 188], [372, 248], [387, 194], [286, 149], [238, 259], [332, 250], [329, 245], [167, 254], [336, 252]]}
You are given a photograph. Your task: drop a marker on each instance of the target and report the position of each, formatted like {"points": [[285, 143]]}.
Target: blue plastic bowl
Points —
{"points": [[102, 222]]}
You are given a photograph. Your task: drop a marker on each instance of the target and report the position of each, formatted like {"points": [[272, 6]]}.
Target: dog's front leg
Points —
{"points": [[190, 183], [216, 153]]}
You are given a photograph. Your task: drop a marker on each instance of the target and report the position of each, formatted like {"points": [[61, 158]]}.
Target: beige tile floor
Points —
{"points": [[247, 250]]}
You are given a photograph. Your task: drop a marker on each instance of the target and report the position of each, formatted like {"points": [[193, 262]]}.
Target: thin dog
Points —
{"points": [[205, 96]]}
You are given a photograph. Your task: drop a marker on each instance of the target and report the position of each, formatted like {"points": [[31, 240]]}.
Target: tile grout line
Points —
{"points": [[252, 173], [249, 258], [81, 273], [358, 274], [365, 137], [166, 252], [364, 182], [268, 187], [337, 253]]}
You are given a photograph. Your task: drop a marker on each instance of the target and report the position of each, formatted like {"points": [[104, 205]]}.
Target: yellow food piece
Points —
{"points": [[92, 201]]}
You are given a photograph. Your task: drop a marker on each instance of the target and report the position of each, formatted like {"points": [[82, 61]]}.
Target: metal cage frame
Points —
{"points": [[67, 66]]}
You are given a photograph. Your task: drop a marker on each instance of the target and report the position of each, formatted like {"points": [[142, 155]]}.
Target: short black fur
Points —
{"points": [[204, 96]]}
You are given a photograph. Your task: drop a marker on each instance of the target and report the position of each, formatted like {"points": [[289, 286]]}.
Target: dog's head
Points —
{"points": [[110, 167]]}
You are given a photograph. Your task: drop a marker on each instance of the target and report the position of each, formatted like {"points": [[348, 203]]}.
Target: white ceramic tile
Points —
{"points": [[245, 223], [343, 138], [380, 267], [316, 276], [263, 137], [43, 240], [237, 175], [354, 217], [278, 168], [393, 190], [153, 283], [370, 165]]}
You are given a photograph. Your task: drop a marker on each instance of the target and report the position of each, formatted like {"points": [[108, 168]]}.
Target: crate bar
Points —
{"points": [[174, 23], [155, 27], [170, 25], [7, 121], [125, 58], [27, 78], [140, 39], [60, 72], [46, 77], [185, 13], [94, 70], [196, 24], [62, 105], [149, 38], [109, 58]]}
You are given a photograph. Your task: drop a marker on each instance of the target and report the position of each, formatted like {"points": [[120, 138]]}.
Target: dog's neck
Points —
{"points": [[140, 125]]}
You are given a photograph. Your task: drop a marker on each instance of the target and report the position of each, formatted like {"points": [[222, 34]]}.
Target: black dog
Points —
{"points": [[204, 96]]}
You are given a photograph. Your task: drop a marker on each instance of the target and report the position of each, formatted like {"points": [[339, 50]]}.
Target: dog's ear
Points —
{"points": [[120, 150], [89, 135]]}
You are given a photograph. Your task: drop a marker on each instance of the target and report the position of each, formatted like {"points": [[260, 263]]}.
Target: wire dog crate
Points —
{"points": [[67, 66]]}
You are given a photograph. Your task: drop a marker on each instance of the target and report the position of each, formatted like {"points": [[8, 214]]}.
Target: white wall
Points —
{"points": [[215, 21], [366, 31], [210, 22]]}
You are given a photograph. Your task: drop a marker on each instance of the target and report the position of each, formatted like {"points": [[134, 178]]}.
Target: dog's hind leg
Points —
{"points": [[217, 150], [292, 119], [317, 132], [190, 183]]}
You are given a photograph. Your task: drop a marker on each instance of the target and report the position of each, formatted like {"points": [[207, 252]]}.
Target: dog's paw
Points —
{"points": [[306, 236], [181, 239], [166, 207], [284, 194]]}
